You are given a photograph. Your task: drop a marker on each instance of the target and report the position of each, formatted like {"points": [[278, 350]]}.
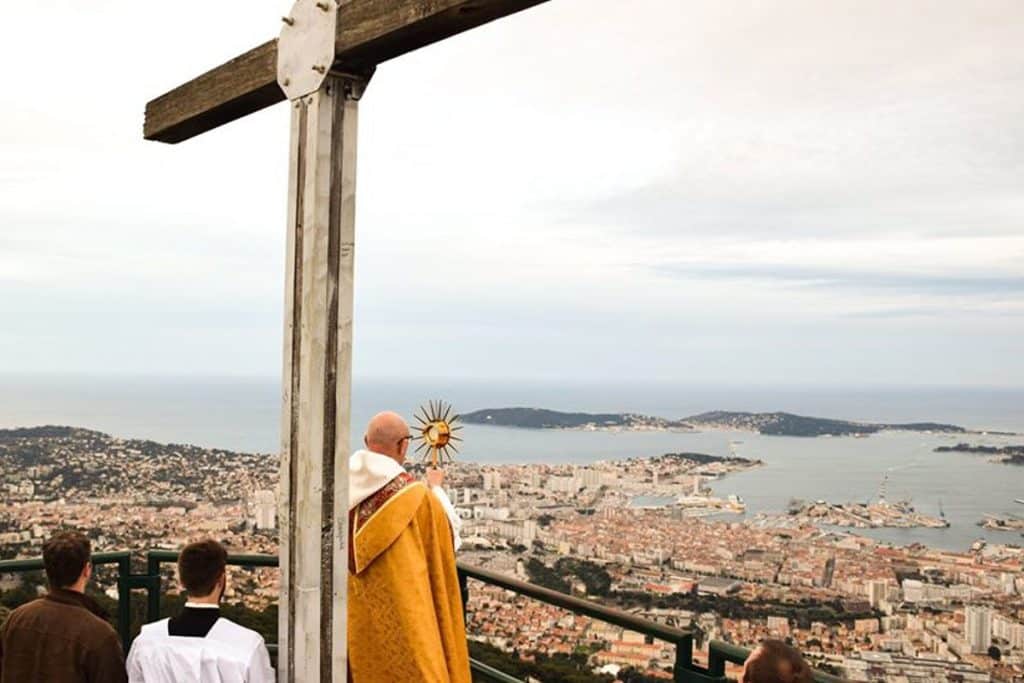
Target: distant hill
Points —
{"points": [[538, 418], [48, 432], [773, 424], [788, 424], [704, 458], [60, 461], [1010, 455]]}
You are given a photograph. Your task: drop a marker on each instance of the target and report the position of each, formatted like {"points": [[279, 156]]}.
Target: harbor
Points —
{"points": [[882, 514]]}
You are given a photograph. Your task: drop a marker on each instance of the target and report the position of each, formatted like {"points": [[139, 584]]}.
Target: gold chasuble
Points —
{"points": [[405, 618]]}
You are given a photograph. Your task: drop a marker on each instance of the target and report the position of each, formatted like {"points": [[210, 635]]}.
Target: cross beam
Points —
{"points": [[326, 54], [368, 32]]}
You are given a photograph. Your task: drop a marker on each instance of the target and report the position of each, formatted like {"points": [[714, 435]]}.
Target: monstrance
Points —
{"points": [[437, 432]]}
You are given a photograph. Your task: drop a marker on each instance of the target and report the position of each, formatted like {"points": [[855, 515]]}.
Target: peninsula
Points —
{"points": [[1008, 455], [773, 424], [538, 418], [788, 424]]}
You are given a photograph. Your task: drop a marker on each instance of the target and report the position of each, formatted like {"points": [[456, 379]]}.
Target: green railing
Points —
{"points": [[123, 560], [155, 558], [681, 639], [684, 670]]}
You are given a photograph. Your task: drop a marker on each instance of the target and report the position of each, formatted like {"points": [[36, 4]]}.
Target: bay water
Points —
{"points": [[243, 414]]}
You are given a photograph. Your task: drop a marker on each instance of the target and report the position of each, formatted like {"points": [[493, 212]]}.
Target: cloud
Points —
{"points": [[590, 188], [668, 209], [858, 280], [938, 311]]}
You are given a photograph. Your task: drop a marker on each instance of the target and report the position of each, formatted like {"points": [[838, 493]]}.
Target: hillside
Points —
{"points": [[538, 418], [1009, 455], [773, 424], [788, 424], [53, 462]]}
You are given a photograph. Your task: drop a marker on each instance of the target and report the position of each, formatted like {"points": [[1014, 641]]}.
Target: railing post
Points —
{"points": [[124, 600], [153, 596], [464, 594], [716, 662], [684, 659]]}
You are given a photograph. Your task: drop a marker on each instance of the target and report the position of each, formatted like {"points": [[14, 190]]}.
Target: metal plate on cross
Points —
{"points": [[305, 49]]}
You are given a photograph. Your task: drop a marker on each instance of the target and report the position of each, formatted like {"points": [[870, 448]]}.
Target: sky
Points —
{"points": [[791, 192]]}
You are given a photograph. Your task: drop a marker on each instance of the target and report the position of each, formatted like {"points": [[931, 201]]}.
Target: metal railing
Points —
{"points": [[123, 560], [681, 639], [155, 558], [684, 670]]}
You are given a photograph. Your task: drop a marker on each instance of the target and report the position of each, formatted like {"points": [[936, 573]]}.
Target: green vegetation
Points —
{"points": [[557, 668], [802, 613], [598, 583], [788, 424], [701, 458], [48, 432], [539, 418], [567, 569], [545, 576], [776, 424], [1009, 455], [594, 577], [28, 590]]}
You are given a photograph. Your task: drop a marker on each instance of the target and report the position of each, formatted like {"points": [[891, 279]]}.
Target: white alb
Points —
{"points": [[228, 654]]}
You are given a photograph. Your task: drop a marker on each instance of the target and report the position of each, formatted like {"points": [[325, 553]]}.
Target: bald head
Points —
{"points": [[776, 662], [388, 434]]}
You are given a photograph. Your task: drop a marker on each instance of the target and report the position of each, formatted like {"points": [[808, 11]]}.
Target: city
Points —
{"points": [[725, 298], [643, 534]]}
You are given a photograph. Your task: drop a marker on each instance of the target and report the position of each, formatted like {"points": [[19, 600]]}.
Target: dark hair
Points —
{"points": [[200, 566], [64, 558], [768, 666]]}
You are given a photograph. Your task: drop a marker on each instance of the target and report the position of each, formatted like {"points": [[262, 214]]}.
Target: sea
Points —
{"points": [[243, 414]]}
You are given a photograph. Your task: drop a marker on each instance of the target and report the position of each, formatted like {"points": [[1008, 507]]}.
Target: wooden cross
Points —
{"points": [[321, 63]]}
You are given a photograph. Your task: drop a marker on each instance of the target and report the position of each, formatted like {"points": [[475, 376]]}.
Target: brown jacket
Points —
{"points": [[60, 638]]}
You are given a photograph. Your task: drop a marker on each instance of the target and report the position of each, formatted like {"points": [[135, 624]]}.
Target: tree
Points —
{"points": [[545, 576], [631, 675]]}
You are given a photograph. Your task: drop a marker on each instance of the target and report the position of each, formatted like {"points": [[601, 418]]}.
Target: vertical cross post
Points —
{"points": [[317, 383]]}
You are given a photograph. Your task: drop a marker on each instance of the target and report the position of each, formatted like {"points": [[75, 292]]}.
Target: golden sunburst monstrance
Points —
{"points": [[436, 432]]}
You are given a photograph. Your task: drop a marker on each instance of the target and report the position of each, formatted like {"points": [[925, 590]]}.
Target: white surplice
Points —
{"points": [[229, 653]]}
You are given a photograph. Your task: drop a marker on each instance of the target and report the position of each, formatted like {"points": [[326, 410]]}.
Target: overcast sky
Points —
{"points": [[744, 192]]}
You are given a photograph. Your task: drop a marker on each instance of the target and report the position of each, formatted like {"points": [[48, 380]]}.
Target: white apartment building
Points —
{"points": [[978, 628]]}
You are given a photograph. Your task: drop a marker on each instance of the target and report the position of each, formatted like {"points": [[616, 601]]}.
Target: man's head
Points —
{"points": [[388, 434], [66, 561], [775, 662], [201, 569]]}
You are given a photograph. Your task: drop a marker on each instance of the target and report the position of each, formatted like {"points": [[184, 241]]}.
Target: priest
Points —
{"points": [[405, 619]]}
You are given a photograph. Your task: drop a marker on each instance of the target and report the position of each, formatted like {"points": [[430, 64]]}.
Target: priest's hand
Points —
{"points": [[435, 477]]}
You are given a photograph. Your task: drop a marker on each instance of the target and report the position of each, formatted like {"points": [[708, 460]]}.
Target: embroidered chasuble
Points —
{"points": [[405, 618]]}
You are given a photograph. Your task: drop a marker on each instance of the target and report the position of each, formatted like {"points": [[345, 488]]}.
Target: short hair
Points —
{"points": [[200, 566], [64, 558], [768, 667]]}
